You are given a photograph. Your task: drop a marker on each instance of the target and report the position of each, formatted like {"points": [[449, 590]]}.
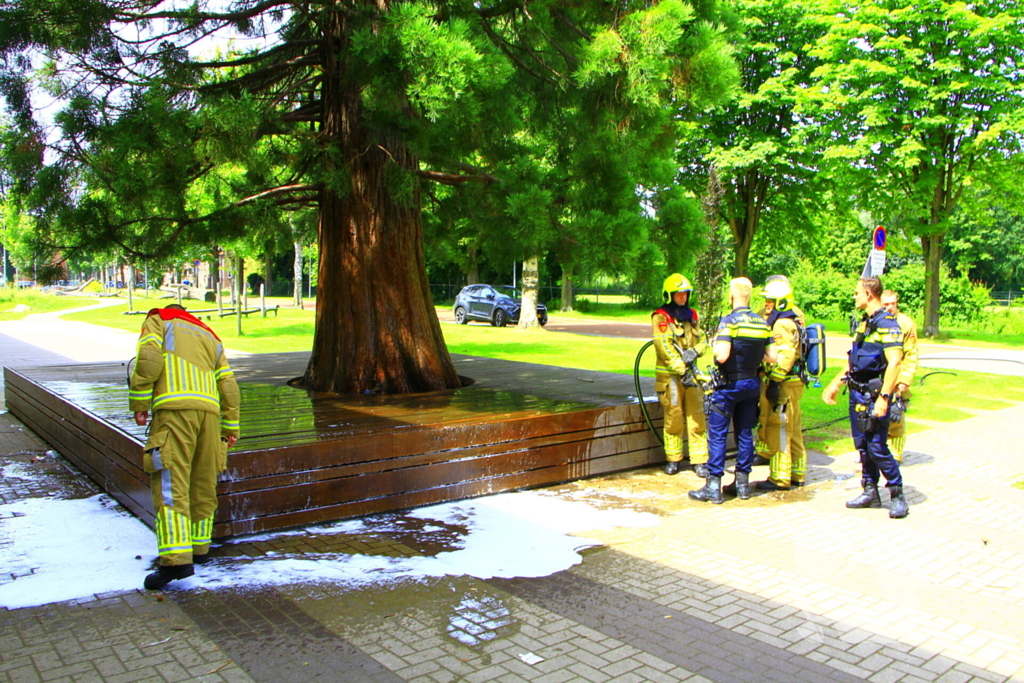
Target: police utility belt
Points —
{"points": [[737, 376], [872, 387]]}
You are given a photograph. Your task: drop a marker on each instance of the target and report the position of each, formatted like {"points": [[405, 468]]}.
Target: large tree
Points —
{"points": [[921, 105], [350, 106], [767, 171]]}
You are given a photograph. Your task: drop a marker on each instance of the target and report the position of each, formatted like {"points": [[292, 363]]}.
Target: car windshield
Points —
{"points": [[510, 292]]}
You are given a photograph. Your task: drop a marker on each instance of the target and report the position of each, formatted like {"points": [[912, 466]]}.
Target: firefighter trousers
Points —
{"points": [[785, 436], [683, 410], [183, 455]]}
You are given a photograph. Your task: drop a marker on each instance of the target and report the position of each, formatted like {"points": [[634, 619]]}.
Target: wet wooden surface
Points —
{"points": [[305, 458]]}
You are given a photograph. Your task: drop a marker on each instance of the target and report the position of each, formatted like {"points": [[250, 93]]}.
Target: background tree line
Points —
{"points": [[459, 136]]}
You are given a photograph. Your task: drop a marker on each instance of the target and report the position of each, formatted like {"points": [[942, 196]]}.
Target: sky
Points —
{"points": [[79, 548]]}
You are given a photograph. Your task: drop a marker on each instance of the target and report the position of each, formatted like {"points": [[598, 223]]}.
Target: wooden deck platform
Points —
{"points": [[309, 458]]}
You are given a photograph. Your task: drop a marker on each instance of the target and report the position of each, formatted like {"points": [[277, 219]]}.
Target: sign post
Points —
{"points": [[875, 265]]}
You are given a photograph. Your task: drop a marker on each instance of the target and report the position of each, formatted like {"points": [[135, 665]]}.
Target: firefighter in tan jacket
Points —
{"points": [[908, 368], [675, 333], [182, 374], [784, 390]]}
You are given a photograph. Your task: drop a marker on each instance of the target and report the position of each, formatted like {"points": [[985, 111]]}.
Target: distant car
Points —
{"points": [[498, 305]]}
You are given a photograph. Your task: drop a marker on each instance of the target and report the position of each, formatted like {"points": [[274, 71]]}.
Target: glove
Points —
{"points": [[772, 392], [689, 356], [897, 410]]}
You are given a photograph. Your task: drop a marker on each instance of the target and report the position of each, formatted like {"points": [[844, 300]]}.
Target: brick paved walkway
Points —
{"points": [[783, 587]]}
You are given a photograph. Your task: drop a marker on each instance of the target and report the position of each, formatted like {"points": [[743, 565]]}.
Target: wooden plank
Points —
{"points": [[459, 491], [88, 454], [314, 494], [299, 462], [308, 458]]}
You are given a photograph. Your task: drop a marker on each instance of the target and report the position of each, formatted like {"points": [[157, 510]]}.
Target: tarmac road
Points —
{"points": [[944, 356]]}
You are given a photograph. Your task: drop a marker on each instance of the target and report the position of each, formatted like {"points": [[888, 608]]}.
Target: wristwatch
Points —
{"points": [[885, 396]]}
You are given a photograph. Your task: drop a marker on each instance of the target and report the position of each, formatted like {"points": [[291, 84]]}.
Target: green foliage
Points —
{"points": [[962, 300], [917, 105], [823, 294]]}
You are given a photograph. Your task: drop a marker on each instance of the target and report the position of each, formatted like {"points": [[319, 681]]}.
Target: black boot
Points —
{"points": [[869, 498], [672, 467], [712, 491], [769, 485], [701, 470], [164, 575], [742, 483], [200, 559], [898, 508]]}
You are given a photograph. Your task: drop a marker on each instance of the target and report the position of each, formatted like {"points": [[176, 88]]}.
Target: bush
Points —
{"points": [[1004, 322], [959, 299], [828, 295], [822, 294]]}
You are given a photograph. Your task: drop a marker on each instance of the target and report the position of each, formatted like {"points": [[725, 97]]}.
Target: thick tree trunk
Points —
{"points": [[531, 278], [932, 248], [744, 238], [297, 276], [473, 273], [376, 328], [567, 289], [268, 270]]}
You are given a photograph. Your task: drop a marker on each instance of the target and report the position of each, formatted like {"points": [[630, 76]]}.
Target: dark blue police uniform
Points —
{"points": [[867, 367], [737, 399]]}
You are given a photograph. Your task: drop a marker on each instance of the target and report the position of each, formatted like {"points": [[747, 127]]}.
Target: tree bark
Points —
{"points": [[268, 270], [376, 328], [932, 247], [297, 276], [473, 274], [567, 289], [528, 313]]}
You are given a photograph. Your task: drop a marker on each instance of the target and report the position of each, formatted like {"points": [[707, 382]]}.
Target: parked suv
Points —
{"points": [[498, 305]]}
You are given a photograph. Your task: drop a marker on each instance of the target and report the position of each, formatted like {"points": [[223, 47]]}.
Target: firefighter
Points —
{"points": [[183, 376], [742, 343], [784, 391], [676, 338], [764, 453], [908, 368], [871, 373]]}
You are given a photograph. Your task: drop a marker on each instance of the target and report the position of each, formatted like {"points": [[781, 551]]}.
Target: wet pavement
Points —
{"points": [[783, 587]]}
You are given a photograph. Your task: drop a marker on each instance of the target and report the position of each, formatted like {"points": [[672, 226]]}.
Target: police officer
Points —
{"points": [[183, 375], [676, 337], [908, 368], [871, 373], [784, 390], [742, 343], [763, 451]]}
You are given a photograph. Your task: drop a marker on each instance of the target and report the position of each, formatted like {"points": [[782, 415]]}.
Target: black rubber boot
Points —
{"points": [[164, 575], [672, 467], [200, 559], [769, 485], [898, 508], [711, 493], [701, 470], [869, 498], [742, 483]]}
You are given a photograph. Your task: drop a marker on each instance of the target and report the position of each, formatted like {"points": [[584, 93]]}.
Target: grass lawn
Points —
{"points": [[37, 302], [943, 396]]}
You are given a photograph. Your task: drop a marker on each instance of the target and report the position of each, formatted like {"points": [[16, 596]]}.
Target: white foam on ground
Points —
{"points": [[83, 547]]}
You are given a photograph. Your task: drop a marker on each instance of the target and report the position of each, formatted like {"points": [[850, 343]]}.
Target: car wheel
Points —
{"points": [[500, 318], [460, 316], [543, 321]]}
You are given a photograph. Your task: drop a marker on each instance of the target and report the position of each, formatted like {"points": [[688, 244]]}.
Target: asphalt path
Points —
{"points": [[939, 356]]}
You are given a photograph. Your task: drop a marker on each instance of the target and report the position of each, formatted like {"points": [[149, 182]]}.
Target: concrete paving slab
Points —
{"points": [[783, 587]]}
